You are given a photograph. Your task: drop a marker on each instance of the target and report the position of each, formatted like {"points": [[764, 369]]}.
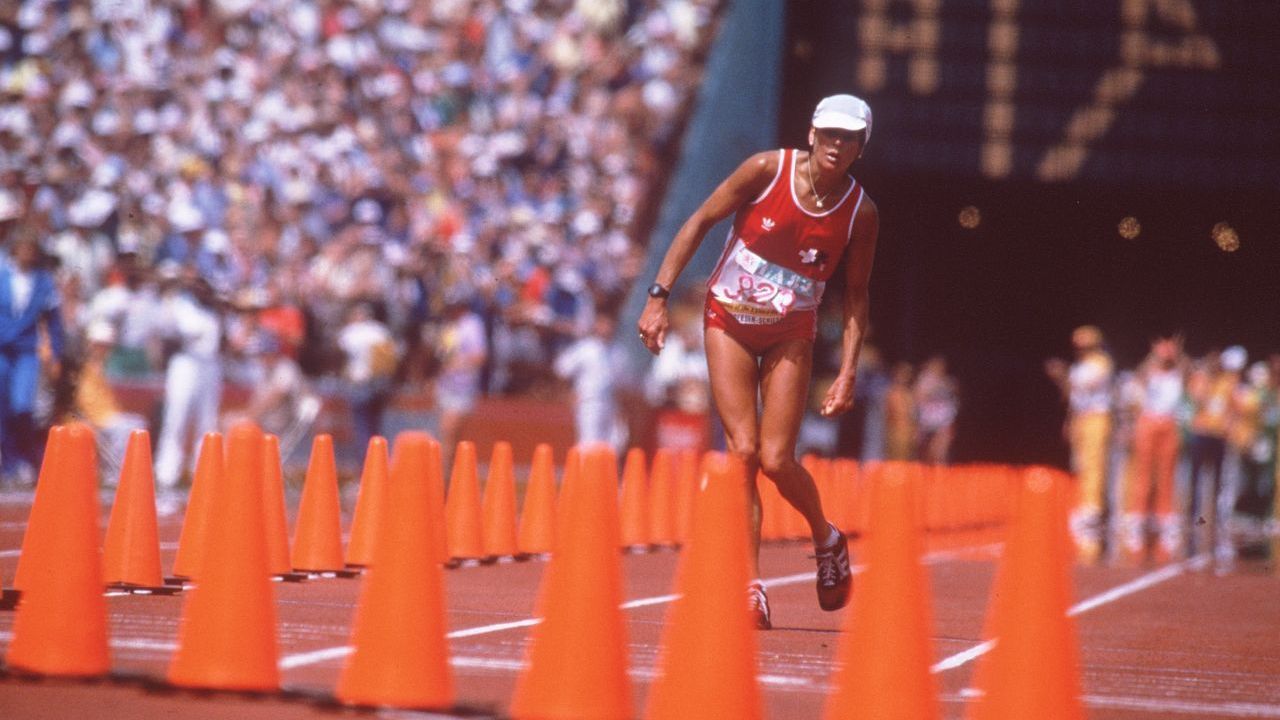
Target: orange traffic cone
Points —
{"points": [[578, 655], [499, 505], [41, 535], [635, 502], [401, 655], [662, 499], [687, 476], [462, 508], [369, 503], [1033, 670], [61, 623], [276, 523], [192, 543], [572, 470], [537, 518], [317, 538], [227, 637], [131, 551], [1012, 480], [886, 641], [435, 478], [708, 656]]}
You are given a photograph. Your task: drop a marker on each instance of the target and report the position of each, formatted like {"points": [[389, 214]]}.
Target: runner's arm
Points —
{"points": [[858, 258], [741, 187]]}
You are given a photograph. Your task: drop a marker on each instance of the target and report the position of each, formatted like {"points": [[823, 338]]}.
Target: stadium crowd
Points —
{"points": [[364, 193]]}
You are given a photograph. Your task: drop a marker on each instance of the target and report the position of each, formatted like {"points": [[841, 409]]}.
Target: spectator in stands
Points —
{"points": [[678, 375], [1253, 436], [369, 369], [192, 326], [96, 402], [247, 139], [279, 391], [127, 304], [1210, 386], [594, 370], [1159, 383], [900, 412], [462, 349], [29, 305], [937, 404], [1086, 386]]}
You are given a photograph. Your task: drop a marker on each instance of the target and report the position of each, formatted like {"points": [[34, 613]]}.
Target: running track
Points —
{"points": [[1181, 639]]}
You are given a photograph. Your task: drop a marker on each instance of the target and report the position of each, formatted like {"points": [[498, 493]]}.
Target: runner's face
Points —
{"points": [[835, 149]]}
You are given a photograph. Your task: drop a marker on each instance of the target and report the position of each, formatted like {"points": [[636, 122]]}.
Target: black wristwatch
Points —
{"points": [[657, 291]]}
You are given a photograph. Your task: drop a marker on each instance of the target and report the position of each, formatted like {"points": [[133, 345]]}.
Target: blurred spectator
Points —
{"points": [[462, 349], [96, 402], [127, 304], [279, 393], [588, 362], [677, 377], [369, 369], [937, 402], [677, 385], [191, 325], [1253, 435], [1159, 381], [29, 304], [901, 431], [1086, 386], [1210, 387]]}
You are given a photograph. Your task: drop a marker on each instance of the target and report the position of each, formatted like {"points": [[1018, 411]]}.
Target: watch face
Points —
{"points": [[656, 290]]}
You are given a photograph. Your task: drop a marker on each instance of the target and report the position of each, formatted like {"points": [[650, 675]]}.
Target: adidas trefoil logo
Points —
{"points": [[767, 224]]}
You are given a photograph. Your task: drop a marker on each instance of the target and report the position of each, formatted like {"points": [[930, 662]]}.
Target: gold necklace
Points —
{"points": [[813, 188]]}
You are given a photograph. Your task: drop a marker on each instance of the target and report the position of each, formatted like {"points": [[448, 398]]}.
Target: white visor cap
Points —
{"points": [[845, 112]]}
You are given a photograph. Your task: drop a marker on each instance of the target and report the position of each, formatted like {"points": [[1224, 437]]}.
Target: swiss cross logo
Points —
{"points": [[767, 224]]}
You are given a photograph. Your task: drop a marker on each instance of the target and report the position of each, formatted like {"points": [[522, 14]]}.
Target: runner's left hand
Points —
{"points": [[839, 396]]}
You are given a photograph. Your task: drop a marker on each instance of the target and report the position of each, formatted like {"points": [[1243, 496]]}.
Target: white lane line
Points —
{"points": [[18, 552], [471, 662], [119, 643], [298, 660], [1155, 577], [1185, 707], [961, 658], [807, 683]]}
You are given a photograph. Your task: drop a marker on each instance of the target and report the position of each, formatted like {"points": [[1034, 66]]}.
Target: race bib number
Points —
{"points": [[758, 291]]}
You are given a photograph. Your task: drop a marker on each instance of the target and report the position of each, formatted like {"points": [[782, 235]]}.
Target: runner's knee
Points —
{"points": [[745, 448], [775, 462]]}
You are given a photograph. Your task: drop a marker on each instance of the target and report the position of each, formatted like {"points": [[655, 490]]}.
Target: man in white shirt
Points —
{"points": [[371, 357], [193, 376], [587, 361]]}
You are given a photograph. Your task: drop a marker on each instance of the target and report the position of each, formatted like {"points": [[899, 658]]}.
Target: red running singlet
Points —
{"points": [[777, 260]]}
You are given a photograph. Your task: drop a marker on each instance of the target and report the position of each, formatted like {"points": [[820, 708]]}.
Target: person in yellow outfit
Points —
{"points": [[1086, 386], [96, 402]]}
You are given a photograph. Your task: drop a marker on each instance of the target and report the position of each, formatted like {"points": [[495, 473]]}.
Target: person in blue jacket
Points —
{"points": [[28, 299]]}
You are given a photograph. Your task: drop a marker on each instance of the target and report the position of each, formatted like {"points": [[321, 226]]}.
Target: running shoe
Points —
{"points": [[758, 601], [834, 575]]}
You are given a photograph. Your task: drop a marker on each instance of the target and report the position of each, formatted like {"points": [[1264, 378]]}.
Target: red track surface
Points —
{"points": [[1173, 640]]}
